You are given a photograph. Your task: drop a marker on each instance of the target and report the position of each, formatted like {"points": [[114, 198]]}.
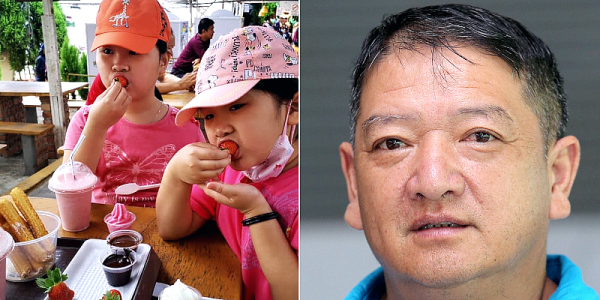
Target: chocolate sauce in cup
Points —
{"points": [[124, 239], [117, 267]]}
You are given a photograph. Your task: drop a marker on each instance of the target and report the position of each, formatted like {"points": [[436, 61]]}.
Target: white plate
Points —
{"points": [[86, 276], [159, 286]]}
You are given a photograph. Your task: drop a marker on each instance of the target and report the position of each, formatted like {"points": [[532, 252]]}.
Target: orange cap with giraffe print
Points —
{"points": [[132, 24]]}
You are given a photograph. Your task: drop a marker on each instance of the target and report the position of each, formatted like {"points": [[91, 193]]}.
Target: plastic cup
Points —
{"points": [[31, 259], [119, 218], [73, 194], [116, 272], [168, 294], [6, 247], [124, 239]]}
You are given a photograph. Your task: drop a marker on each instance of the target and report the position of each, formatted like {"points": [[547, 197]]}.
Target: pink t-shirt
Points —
{"points": [[134, 153], [282, 194]]}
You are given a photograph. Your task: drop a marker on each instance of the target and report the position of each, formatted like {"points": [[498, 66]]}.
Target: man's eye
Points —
{"points": [[390, 144], [133, 53], [482, 137], [208, 117], [106, 51]]}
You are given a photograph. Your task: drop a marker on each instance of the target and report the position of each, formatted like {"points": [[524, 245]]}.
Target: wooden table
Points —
{"points": [[178, 99], [12, 110], [41, 90], [202, 260]]}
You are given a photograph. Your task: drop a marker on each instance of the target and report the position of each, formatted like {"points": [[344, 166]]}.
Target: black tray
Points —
{"points": [[66, 248]]}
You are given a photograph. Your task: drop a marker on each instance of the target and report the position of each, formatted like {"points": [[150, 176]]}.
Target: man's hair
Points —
{"points": [[453, 26], [204, 24]]}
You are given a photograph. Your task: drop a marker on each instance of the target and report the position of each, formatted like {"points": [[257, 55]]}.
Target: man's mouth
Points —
{"points": [[440, 225]]}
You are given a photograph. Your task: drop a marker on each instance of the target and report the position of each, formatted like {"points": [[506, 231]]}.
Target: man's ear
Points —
{"points": [[352, 215], [563, 158]]}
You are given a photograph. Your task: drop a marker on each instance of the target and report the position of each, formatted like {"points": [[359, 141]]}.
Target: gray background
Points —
{"points": [[334, 257]]}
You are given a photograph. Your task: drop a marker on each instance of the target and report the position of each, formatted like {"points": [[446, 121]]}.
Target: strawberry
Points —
{"points": [[122, 80], [229, 145], [112, 295], [55, 286]]}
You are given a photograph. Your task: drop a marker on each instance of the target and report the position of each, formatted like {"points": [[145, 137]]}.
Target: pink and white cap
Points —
{"points": [[235, 63]]}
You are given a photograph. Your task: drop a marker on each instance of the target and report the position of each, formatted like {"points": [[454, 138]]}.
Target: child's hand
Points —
{"points": [[198, 163], [109, 107], [243, 197]]}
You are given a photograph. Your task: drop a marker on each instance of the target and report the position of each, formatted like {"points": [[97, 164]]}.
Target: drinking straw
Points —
{"points": [[81, 138]]}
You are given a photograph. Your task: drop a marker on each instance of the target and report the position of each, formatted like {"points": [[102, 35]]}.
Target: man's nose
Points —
{"points": [[436, 171]]}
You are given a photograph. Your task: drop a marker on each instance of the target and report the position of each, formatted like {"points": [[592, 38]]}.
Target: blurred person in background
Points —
{"points": [[195, 48], [40, 65]]}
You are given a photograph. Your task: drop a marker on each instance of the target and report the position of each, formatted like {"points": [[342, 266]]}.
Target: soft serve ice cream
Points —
{"points": [[119, 218], [179, 291]]}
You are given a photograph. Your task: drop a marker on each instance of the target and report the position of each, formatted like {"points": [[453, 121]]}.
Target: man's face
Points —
{"points": [[208, 34], [444, 142], [171, 44]]}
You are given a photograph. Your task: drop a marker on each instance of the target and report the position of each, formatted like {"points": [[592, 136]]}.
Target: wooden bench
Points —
{"points": [[31, 103], [28, 132]]}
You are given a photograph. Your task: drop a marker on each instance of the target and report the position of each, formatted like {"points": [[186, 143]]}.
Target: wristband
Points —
{"points": [[260, 218]]}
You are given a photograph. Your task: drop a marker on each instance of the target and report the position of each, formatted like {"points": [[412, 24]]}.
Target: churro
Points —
{"points": [[21, 201], [17, 226], [19, 260], [17, 257], [34, 254], [24, 205], [4, 224]]}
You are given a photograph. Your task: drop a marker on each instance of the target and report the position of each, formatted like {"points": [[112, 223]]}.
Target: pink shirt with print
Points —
{"points": [[134, 153], [282, 195]]}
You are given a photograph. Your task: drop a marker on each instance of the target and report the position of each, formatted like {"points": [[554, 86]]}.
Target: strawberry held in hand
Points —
{"points": [[55, 285], [229, 145], [112, 295], [122, 80]]}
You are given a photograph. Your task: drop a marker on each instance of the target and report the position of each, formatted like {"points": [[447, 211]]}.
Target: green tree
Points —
{"points": [[21, 30], [14, 35], [272, 12], [83, 70], [36, 12], [69, 60], [254, 19], [73, 62]]}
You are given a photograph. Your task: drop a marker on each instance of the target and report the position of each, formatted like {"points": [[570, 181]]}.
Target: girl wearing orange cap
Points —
{"points": [[129, 134]]}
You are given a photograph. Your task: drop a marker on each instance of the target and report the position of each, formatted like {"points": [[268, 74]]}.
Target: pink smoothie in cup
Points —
{"points": [[6, 247], [73, 194]]}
